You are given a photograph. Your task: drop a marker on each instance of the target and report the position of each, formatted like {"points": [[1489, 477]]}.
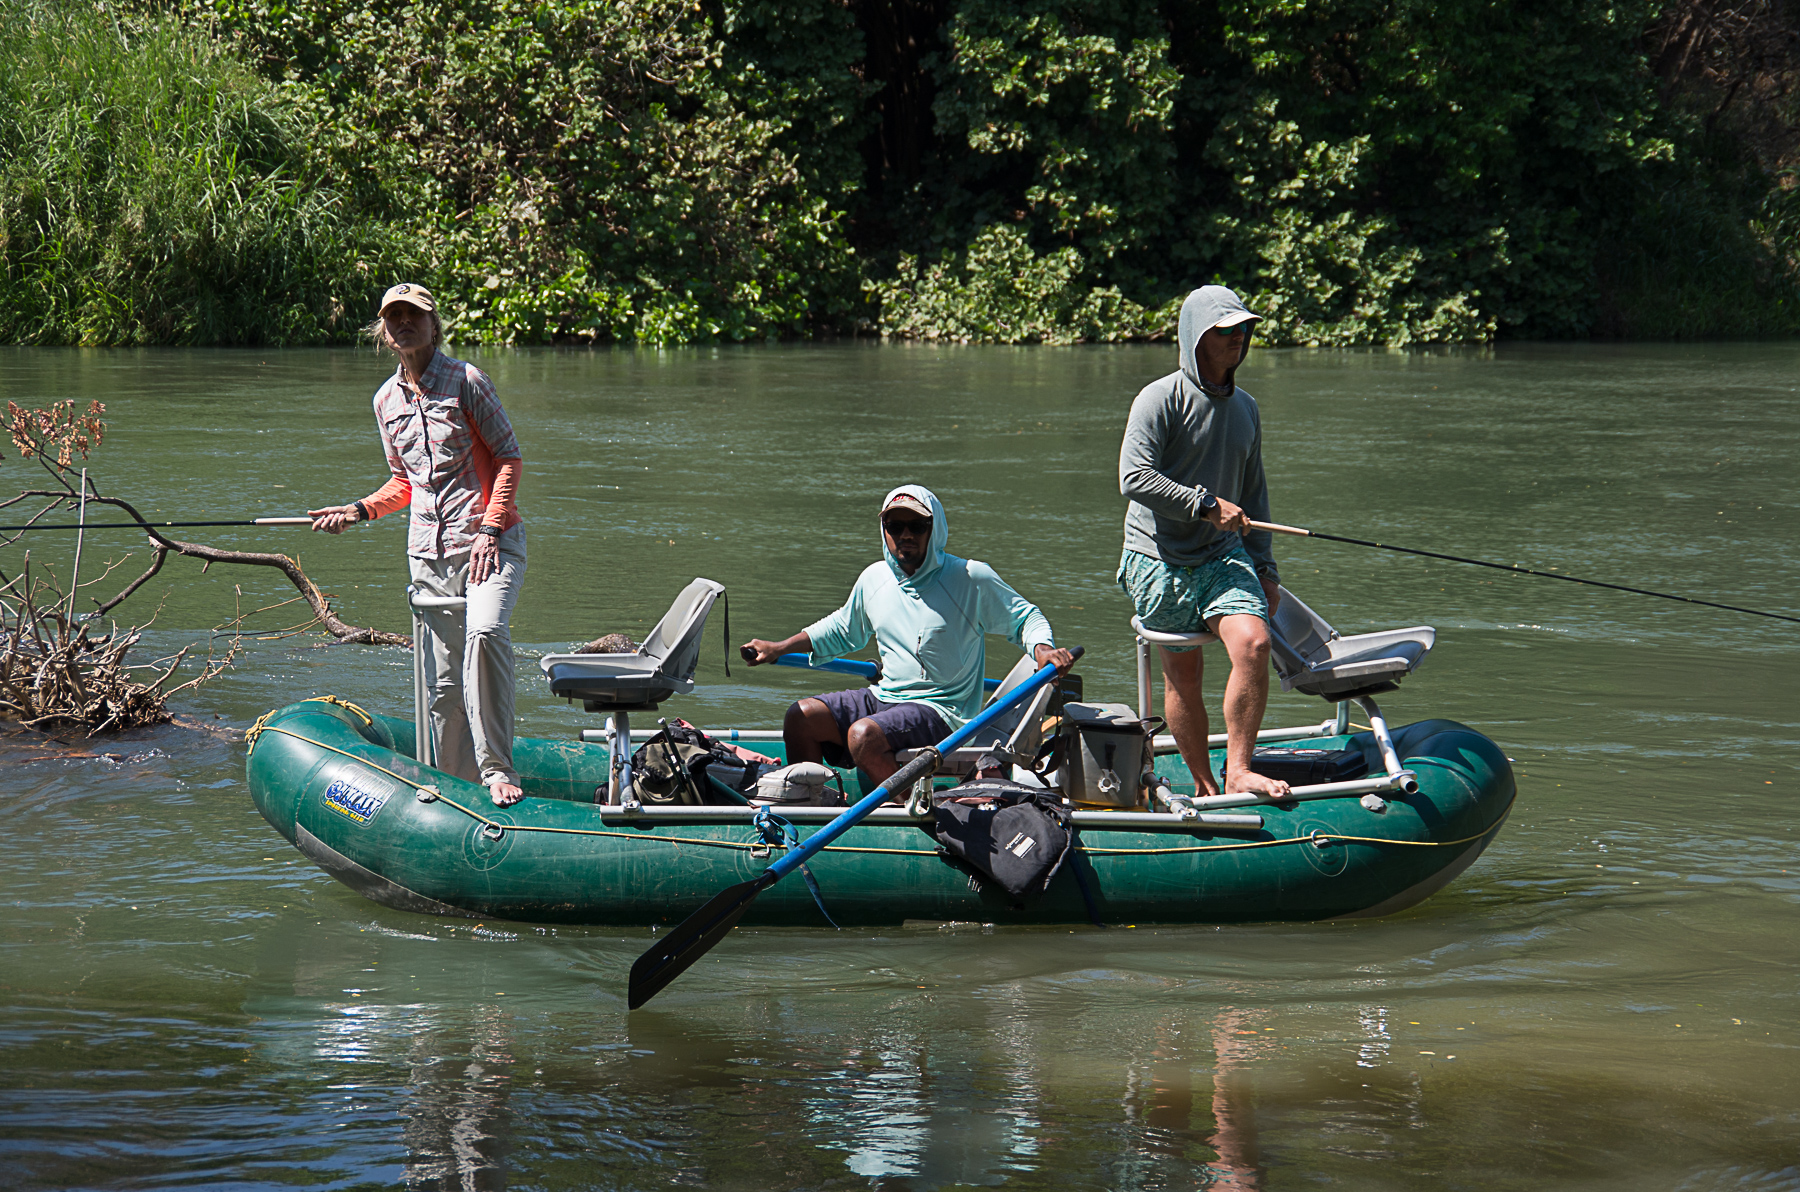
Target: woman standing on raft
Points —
{"points": [[456, 463]]}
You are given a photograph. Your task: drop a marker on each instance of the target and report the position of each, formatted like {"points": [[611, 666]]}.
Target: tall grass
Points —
{"points": [[155, 190]]}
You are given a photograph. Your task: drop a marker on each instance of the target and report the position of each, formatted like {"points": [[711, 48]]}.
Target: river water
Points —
{"points": [[1606, 1000]]}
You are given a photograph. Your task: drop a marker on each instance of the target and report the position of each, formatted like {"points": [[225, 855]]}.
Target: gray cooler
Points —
{"points": [[1108, 756]]}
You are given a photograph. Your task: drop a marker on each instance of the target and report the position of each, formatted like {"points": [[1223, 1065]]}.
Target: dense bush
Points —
{"points": [[153, 189], [567, 170], [1365, 171]]}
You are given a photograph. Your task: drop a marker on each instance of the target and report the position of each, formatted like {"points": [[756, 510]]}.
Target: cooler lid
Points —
{"points": [[1119, 716]]}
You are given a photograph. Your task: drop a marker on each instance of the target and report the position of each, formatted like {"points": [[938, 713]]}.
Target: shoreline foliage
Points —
{"points": [[1012, 171]]}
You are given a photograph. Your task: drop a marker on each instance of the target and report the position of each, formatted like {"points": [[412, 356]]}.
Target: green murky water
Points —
{"points": [[1607, 1000]]}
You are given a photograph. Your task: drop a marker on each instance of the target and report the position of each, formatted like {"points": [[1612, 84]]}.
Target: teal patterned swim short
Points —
{"points": [[1183, 599]]}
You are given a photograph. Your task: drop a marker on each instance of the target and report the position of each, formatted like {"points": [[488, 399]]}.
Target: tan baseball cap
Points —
{"points": [[410, 294], [907, 501]]}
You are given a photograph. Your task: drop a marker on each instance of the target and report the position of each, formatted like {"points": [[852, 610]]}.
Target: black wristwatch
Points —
{"points": [[489, 531], [1208, 502]]}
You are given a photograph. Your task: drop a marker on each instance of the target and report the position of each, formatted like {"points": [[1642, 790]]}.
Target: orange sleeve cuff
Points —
{"points": [[395, 494], [503, 505]]}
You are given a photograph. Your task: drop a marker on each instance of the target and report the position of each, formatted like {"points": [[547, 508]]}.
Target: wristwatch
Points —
{"points": [[489, 531], [1208, 502]]}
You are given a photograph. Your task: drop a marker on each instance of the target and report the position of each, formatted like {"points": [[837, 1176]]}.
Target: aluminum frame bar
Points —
{"points": [[639, 815]]}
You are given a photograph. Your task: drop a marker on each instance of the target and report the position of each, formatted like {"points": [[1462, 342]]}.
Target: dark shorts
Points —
{"points": [[906, 726]]}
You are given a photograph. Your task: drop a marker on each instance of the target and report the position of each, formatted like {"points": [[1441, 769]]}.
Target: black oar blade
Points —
{"points": [[670, 956]]}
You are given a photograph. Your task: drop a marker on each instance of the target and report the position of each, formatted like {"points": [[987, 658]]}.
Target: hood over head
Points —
{"points": [[934, 551], [1206, 308]]}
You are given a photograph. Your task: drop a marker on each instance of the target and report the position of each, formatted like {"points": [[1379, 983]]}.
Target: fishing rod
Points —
{"points": [[259, 521], [1277, 528]]}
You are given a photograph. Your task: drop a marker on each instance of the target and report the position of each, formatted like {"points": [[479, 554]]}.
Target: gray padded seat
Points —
{"points": [[663, 666], [1312, 658]]}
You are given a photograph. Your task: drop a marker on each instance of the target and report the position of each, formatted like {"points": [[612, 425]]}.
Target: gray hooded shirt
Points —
{"points": [[1181, 443]]}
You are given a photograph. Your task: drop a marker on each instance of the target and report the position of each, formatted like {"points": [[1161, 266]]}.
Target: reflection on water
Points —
{"points": [[1606, 1000]]}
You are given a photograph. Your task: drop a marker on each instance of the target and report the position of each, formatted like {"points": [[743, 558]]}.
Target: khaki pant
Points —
{"points": [[469, 662]]}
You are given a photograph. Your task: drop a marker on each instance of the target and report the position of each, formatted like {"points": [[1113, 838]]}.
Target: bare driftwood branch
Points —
{"points": [[211, 554], [57, 674], [156, 562]]}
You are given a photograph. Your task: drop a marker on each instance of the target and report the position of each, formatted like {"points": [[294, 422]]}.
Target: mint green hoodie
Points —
{"points": [[928, 626]]}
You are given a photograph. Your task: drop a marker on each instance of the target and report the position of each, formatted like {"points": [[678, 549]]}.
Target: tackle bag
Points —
{"points": [[681, 764], [1014, 836]]}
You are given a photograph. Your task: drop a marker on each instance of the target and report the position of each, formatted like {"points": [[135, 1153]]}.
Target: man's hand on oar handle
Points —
{"points": [[756, 651], [333, 518], [1055, 656]]}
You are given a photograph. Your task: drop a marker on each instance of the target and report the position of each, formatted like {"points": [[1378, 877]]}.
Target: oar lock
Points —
{"points": [[918, 803]]}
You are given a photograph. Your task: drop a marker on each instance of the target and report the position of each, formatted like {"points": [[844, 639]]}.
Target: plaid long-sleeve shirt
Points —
{"points": [[445, 444]]}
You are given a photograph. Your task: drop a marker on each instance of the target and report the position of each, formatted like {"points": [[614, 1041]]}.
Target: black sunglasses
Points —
{"points": [[914, 525]]}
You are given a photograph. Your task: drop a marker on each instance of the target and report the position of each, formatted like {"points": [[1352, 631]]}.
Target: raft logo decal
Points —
{"points": [[355, 801]]}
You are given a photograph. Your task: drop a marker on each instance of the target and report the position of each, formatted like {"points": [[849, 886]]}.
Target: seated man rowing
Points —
{"points": [[928, 612]]}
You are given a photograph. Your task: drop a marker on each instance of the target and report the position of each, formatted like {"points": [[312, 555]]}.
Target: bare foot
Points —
{"points": [[1249, 782], [505, 794]]}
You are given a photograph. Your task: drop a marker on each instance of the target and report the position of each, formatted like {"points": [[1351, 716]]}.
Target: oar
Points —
{"points": [[258, 521], [1277, 528], [849, 666], [670, 956]]}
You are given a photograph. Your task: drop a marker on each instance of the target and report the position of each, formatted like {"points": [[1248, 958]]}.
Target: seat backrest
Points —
{"points": [[1298, 636], [675, 642], [1021, 728]]}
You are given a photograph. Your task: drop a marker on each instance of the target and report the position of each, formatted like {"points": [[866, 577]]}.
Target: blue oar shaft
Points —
{"points": [[849, 666], [843, 823]]}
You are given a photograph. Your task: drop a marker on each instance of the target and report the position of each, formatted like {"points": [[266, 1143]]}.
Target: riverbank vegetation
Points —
{"points": [[1365, 171]]}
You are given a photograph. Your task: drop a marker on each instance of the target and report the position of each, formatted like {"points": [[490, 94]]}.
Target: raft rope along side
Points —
{"points": [[1315, 838], [342, 703], [262, 722]]}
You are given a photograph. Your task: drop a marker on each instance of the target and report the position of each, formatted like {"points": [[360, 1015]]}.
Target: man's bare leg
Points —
{"points": [[1186, 714], [873, 755], [1246, 640], [808, 727]]}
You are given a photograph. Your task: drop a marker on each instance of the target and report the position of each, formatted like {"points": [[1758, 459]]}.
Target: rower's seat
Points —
{"points": [[1313, 658], [1018, 732], [663, 665]]}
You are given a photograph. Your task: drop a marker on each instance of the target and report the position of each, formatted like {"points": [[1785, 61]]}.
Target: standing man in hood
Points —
{"points": [[1191, 464], [927, 611]]}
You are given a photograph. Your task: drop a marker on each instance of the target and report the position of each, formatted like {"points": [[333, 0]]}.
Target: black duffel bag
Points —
{"points": [[1014, 836]]}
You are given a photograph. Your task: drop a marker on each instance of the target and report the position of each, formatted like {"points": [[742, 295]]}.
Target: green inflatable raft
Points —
{"points": [[1388, 820], [342, 786]]}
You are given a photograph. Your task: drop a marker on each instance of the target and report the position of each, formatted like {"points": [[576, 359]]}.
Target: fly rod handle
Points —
{"points": [[282, 521], [1278, 528]]}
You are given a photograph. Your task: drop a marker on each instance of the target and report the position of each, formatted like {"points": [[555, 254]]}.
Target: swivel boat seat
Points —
{"points": [[620, 684], [1313, 658]]}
